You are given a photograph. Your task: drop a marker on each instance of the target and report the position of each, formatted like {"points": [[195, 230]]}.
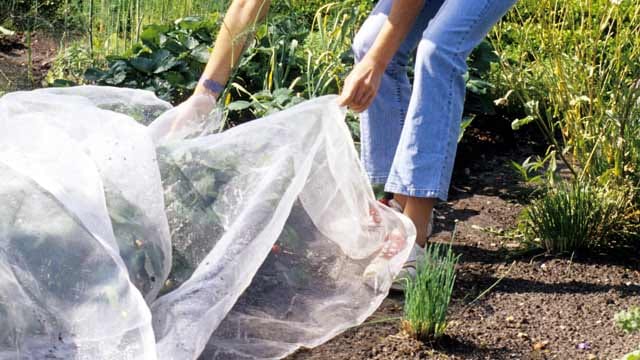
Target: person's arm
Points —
{"points": [[236, 27], [241, 16], [361, 86]]}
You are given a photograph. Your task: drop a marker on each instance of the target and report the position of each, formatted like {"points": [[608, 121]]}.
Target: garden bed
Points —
{"points": [[542, 308]]}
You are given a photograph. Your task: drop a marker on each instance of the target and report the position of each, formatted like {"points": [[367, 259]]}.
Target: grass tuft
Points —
{"points": [[427, 296], [580, 216]]}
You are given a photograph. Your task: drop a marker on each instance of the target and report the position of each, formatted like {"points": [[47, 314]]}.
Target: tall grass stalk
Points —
{"points": [[113, 26], [333, 28], [427, 297]]}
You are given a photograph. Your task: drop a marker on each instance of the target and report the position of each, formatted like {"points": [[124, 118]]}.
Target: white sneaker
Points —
{"points": [[409, 269], [378, 270], [377, 274]]}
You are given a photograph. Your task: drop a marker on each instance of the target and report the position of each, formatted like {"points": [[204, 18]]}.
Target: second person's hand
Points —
{"points": [[361, 85], [193, 111]]}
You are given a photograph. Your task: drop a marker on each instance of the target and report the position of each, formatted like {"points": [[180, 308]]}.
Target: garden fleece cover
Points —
{"points": [[120, 240]]}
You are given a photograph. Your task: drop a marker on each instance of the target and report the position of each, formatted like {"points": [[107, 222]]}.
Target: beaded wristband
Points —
{"points": [[212, 85]]}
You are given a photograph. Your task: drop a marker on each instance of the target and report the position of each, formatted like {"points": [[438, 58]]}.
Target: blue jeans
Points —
{"points": [[409, 136]]}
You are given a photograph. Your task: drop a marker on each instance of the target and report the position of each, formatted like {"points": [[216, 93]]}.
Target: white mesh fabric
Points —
{"points": [[245, 244]]}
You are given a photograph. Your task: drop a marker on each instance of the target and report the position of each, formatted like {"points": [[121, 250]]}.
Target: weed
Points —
{"points": [[629, 321]]}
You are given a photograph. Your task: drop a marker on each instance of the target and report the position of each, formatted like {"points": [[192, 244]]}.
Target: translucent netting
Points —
{"points": [[120, 241]]}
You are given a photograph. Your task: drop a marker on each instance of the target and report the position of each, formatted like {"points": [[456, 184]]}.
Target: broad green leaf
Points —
{"points": [[190, 42], [163, 61], [114, 58], [174, 78], [151, 34], [143, 64], [118, 78], [62, 83], [282, 95], [201, 53], [478, 86], [239, 105], [93, 74], [174, 47], [190, 22], [518, 123], [160, 56]]}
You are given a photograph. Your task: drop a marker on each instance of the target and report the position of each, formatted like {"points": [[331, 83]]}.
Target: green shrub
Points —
{"points": [[168, 61], [629, 321], [580, 216], [427, 296], [70, 65]]}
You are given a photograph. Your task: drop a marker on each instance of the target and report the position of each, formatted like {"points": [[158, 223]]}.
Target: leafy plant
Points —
{"points": [[291, 59], [265, 102], [327, 48], [480, 91], [629, 321], [570, 68], [20, 14], [168, 61], [580, 216], [427, 296], [632, 356], [70, 65]]}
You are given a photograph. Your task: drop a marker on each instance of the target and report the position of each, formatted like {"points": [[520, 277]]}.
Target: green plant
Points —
{"points": [[570, 68], [427, 296], [265, 102], [327, 48], [629, 321], [168, 61], [20, 14], [480, 95], [70, 65], [291, 59], [580, 216], [632, 356]]}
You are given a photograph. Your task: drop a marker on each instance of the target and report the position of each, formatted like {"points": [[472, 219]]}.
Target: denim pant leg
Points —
{"points": [[381, 124], [424, 158]]}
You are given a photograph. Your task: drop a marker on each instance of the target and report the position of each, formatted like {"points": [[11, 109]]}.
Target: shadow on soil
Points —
{"points": [[454, 346], [511, 285]]}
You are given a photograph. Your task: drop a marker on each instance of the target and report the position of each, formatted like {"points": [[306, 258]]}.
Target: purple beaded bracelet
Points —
{"points": [[212, 85]]}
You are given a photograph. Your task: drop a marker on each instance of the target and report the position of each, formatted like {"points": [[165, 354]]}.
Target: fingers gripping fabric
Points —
{"points": [[133, 230]]}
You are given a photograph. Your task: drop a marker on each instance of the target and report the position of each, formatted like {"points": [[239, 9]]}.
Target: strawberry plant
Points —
{"points": [[168, 60]]}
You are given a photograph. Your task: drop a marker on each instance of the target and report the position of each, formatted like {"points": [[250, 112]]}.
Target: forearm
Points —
{"points": [[241, 16], [399, 22]]}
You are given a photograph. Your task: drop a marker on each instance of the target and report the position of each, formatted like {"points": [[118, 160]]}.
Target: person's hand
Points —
{"points": [[361, 86], [193, 111]]}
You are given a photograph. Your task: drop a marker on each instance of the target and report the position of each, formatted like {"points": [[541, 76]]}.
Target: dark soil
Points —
{"points": [[14, 60], [542, 307]]}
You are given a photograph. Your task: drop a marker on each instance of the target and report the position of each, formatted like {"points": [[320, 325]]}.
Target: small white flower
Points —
{"points": [[616, 2]]}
